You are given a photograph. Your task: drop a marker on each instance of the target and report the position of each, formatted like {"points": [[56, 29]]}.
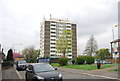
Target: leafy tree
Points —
{"points": [[30, 53], [91, 47], [64, 42], [38, 52], [10, 55], [103, 53]]}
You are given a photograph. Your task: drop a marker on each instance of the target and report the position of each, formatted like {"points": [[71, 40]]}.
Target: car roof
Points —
{"points": [[33, 64]]}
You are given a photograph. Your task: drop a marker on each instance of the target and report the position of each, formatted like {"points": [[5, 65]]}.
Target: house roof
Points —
{"points": [[114, 41]]}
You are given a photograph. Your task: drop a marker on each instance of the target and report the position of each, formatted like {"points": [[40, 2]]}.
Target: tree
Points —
{"points": [[38, 52], [91, 47], [10, 55], [103, 53], [64, 42], [30, 53]]}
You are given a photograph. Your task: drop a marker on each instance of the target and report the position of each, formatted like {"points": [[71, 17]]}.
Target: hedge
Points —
{"points": [[63, 61], [89, 59], [80, 60]]}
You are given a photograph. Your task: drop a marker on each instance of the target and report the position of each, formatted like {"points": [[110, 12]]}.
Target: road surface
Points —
{"points": [[66, 75], [0, 73]]}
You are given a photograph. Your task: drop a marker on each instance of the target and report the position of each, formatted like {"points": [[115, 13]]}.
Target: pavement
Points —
{"points": [[9, 73], [103, 73]]}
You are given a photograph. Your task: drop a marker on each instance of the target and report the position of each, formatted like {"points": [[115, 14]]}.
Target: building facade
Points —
{"points": [[115, 48], [50, 31]]}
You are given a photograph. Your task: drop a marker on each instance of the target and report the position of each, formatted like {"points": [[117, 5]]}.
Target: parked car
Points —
{"points": [[21, 65], [105, 62], [42, 71]]}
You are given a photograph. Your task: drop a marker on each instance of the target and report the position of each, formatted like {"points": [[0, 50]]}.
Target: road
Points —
{"points": [[0, 73], [66, 75]]}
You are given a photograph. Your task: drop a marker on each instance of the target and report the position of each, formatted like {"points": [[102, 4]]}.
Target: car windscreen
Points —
{"points": [[22, 62], [43, 68]]}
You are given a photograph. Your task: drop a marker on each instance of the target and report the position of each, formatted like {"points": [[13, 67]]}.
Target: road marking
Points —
{"points": [[18, 74], [98, 76], [92, 75]]}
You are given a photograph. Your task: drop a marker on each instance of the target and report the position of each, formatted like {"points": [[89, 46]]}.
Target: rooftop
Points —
{"points": [[114, 41]]}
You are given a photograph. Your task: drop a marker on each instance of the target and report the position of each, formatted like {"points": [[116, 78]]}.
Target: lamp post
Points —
{"points": [[113, 33]]}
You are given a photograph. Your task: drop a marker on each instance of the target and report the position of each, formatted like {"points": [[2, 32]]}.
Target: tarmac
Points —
{"points": [[103, 73], [0, 73]]}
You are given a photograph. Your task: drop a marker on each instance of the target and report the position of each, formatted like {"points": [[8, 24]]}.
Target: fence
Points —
{"points": [[114, 60]]}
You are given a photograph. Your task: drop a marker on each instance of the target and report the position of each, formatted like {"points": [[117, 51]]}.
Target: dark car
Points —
{"points": [[21, 65], [42, 72]]}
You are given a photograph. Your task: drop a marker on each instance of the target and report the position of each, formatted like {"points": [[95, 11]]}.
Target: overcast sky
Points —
{"points": [[20, 20]]}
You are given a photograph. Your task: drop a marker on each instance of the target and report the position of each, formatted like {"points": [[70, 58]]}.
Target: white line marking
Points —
{"points": [[92, 75], [98, 76], [18, 74]]}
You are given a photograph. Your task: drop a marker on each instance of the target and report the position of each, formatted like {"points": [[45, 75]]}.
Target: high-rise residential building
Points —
{"points": [[50, 31]]}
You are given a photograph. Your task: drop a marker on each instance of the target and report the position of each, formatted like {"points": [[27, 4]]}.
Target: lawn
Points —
{"points": [[84, 66], [115, 69]]}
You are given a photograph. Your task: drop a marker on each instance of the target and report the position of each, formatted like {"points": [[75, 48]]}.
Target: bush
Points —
{"points": [[73, 61], [7, 64], [63, 61], [10, 55], [89, 59], [80, 60]]}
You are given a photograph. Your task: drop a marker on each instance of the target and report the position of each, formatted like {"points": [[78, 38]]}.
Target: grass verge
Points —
{"points": [[83, 67], [115, 69]]}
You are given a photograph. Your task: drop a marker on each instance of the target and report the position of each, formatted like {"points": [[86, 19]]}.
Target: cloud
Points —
{"points": [[21, 20]]}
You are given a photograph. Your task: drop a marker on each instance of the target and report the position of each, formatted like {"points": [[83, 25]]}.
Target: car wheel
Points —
{"points": [[17, 69]]}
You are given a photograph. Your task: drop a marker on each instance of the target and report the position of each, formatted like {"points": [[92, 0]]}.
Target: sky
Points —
{"points": [[20, 21]]}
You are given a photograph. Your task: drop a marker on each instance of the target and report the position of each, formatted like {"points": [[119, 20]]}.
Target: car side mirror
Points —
{"points": [[55, 68], [29, 71]]}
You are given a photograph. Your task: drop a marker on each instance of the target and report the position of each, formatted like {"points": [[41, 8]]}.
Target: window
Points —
{"points": [[52, 25], [53, 29], [53, 32], [69, 51], [52, 22], [68, 26], [53, 47], [52, 51], [52, 39], [53, 36], [53, 55], [53, 43], [69, 55]]}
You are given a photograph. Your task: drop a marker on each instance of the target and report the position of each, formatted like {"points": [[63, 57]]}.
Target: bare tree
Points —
{"points": [[29, 53], [91, 47]]}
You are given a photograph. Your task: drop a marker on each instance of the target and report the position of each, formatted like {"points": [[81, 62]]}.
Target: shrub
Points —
{"points": [[89, 59], [73, 61], [80, 60], [10, 55], [7, 64], [63, 61]]}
